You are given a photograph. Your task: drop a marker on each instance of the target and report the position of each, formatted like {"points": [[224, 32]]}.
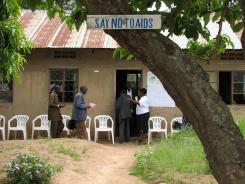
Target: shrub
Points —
{"points": [[28, 169]]}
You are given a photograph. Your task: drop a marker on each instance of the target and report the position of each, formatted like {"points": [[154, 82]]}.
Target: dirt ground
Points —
{"points": [[82, 162], [88, 162]]}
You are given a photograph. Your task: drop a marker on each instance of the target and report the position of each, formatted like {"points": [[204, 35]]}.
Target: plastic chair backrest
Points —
{"points": [[44, 120], [21, 120], [157, 122], [103, 121], [65, 119]]}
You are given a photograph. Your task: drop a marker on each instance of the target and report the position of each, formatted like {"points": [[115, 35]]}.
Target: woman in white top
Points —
{"points": [[142, 112]]}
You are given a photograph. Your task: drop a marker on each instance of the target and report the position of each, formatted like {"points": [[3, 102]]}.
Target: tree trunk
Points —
{"points": [[188, 84]]}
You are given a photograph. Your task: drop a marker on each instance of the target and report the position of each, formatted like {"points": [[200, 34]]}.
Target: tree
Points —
{"points": [[180, 74], [13, 41]]}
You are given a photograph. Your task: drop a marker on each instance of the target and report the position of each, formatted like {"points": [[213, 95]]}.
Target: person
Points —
{"points": [[54, 114], [123, 115], [142, 114], [129, 90], [79, 112]]}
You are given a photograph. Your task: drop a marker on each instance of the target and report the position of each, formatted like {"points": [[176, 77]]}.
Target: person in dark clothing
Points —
{"points": [[124, 115], [79, 112], [54, 114]]}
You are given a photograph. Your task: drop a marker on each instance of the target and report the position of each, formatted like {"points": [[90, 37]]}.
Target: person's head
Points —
{"points": [[54, 88], [143, 92], [83, 89], [128, 85], [123, 91]]}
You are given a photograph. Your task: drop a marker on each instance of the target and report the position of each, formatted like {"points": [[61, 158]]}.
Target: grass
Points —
{"points": [[241, 124], [57, 168], [181, 154], [70, 152]]}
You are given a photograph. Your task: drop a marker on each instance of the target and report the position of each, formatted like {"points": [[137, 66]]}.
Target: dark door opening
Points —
{"points": [[225, 86], [134, 77]]}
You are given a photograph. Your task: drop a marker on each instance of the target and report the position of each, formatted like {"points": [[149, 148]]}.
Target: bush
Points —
{"points": [[28, 169]]}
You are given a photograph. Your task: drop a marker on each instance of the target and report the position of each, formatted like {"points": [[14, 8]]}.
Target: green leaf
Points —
{"points": [[206, 19], [216, 16], [238, 27], [158, 4]]}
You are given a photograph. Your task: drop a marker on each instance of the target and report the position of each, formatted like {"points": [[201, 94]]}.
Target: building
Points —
{"points": [[72, 58]]}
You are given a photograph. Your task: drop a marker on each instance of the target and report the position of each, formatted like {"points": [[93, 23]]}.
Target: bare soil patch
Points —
{"points": [[82, 162]]}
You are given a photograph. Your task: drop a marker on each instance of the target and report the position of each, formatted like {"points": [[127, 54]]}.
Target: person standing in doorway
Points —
{"points": [[54, 114], [142, 114], [129, 90], [124, 115], [79, 112]]}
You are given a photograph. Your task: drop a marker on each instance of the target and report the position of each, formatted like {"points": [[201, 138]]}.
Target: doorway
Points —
{"points": [[134, 77], [225, 86]]}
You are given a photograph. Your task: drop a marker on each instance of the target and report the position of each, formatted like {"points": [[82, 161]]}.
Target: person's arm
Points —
{"points": [[52, 101], [134, 101], [80, 103]]}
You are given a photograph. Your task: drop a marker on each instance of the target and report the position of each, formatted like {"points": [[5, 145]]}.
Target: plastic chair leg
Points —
{"points": [[88, 133], [32, 134], [3, 134], [112, 135], [25, 136], [95, 136], [8, 134], [109, 135], [49, 134], [149, 134]]}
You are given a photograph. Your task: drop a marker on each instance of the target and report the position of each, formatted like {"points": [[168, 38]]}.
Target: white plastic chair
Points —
{"points": [[87, 123], [21, 125], [159, 124], [65, 120], [45, 125], [2, 126], [103, 121], [177, 119]]}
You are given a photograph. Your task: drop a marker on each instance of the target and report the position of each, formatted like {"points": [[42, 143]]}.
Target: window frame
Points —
{"points": [[63, 81], [232, 86]]}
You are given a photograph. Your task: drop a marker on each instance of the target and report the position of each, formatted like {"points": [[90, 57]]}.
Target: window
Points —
{"points": [[68, 80], [232, 55], [6, 92], [238, 83], [65, 54], [232, 87]]}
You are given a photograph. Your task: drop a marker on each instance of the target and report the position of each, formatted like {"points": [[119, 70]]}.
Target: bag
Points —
{"points": [[71, 124], [177, 125]]}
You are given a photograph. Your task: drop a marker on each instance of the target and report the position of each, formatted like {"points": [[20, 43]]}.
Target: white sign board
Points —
{"points": [[124, 21], [157, 95]]}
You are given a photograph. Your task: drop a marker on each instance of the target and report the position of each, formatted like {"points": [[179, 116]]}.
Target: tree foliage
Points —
{"points": [[189, 18], [13, 41]]}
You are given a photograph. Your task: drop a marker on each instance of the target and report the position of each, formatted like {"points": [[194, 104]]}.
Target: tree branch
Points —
{"points": [[218, 37]]}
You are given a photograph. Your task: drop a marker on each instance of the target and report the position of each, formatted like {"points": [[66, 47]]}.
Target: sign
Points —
{"points": [[124, 21], [157, 95]]}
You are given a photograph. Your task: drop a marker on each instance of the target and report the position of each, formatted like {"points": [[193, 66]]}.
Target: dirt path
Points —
{"points": [[104, 164]]}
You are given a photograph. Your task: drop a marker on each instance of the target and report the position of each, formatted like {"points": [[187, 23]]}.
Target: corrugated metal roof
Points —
{"points": [[46, 33]]}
